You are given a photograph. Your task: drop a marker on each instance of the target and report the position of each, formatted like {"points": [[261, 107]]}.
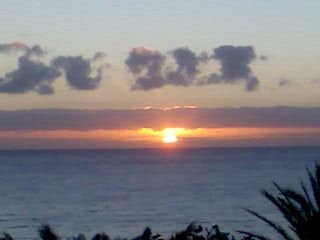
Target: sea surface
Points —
{"points": [[121, 192]]}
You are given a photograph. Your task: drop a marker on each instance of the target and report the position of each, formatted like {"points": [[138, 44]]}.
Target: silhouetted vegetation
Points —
{"points": [[5, 236], [301, 210], [46, 233], [192, 232]]}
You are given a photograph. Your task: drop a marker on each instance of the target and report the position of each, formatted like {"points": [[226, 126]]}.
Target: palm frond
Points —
{"points": [[275, 226], [307, 195], [301, 212], [304, 205], [284, 206], [315, 188]]}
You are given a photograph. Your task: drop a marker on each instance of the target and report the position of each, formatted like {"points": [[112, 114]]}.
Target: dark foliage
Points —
{"points": [[79, 237], [147, 235], [46, 233], [5, 236], [192, 232], [300, 209], [101, 236], [197, 232]]}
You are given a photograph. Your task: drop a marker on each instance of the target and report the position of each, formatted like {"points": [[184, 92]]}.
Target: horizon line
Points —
{"points": [[157, 148]]}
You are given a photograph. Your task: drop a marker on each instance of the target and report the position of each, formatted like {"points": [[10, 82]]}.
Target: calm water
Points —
{"points": [[123, 191]]}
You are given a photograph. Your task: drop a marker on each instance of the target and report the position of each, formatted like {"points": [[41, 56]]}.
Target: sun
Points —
{"points": [[169, 135]]}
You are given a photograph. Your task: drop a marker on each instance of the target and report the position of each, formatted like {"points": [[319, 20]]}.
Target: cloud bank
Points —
{"points": [[81, 120]]}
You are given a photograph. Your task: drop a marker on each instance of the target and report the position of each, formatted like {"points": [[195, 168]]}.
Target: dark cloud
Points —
{"points": [[186, 67], [80, 120], [35, 50], [33, 75], [98, 55], [204, 57], [186, 60], [284, 82], [235, 67], [154, 69], [234, 60], [45, 89], [29, 76], [315, 81], [146, 64], [151, 68], [36, 76], [15, 47], [78, 72], [264, 58]]}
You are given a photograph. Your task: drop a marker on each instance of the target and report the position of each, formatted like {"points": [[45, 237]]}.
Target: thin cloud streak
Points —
{"points": [[190, 118], [16, 47]]}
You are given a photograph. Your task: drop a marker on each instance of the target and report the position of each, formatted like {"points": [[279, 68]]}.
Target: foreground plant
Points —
{"points": [[300, 209], [5, 236]]}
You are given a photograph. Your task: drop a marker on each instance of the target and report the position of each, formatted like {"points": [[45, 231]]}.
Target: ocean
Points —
{"points": [[121, 192]]}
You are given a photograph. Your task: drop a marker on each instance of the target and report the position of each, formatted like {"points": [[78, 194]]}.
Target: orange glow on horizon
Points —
{"points": [[154, 137]]}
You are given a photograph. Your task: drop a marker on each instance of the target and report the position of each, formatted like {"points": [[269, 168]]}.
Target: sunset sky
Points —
{"points": [[104, 74]]}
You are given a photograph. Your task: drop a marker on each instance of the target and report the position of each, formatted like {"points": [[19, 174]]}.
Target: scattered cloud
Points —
{"points": [[264, 58], [35, 50], [16, 47], [45, 89], [190, 118], [146, 64], [78, 72], [235, 67], [98, 55], [30, 75], [34, 75], [283, 82], [186, 67], [153, 69], [315, 81]]}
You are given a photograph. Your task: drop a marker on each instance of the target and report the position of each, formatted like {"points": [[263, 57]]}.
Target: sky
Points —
{"points": [[116, 73]]}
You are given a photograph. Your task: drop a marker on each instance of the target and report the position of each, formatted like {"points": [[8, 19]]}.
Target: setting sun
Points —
{"points": [[170, 135]]}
